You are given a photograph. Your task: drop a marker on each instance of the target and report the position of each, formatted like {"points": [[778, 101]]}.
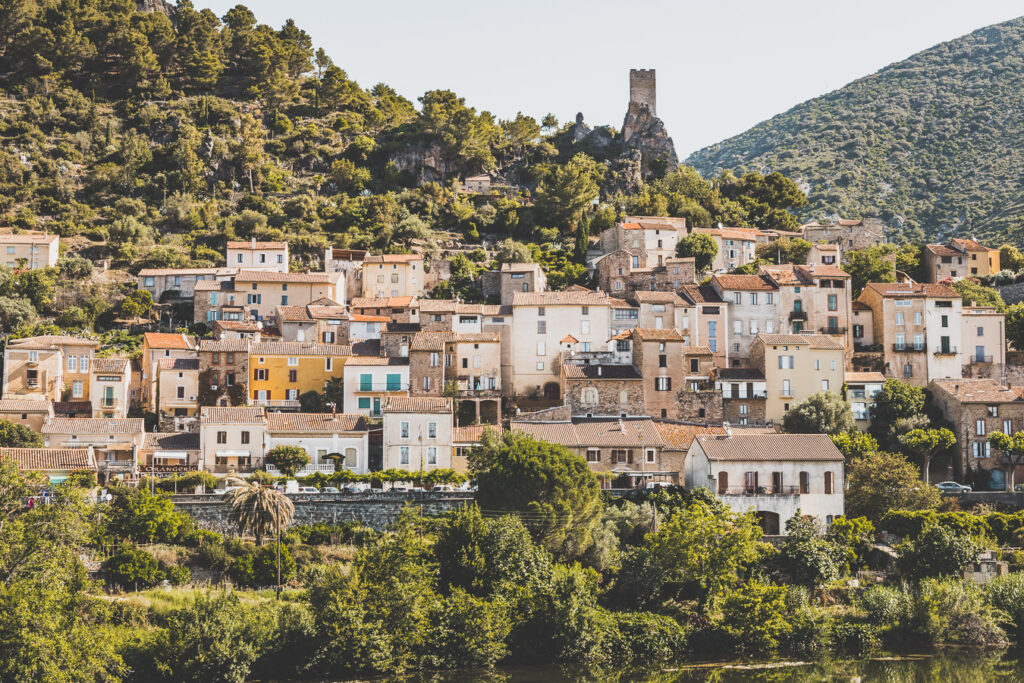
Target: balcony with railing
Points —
{"points": [[980, 359], [292, 404], [904, 347], [947, 351], [744, 394], [382, 387], [832, 330], [798, 315], [760, 491], [306, 470]]}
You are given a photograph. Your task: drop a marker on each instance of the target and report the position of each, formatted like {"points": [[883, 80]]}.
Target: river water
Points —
{"points": [[948, 667]]}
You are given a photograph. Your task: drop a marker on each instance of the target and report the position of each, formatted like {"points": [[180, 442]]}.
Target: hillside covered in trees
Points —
{"points": [[931, 142], [151, 134]]}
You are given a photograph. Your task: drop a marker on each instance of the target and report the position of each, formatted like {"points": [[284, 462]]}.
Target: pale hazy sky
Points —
{"points": [[722, 66]]}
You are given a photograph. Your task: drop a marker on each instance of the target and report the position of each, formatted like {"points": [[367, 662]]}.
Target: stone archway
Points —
{"points": [[552, 391], [769, 522]]}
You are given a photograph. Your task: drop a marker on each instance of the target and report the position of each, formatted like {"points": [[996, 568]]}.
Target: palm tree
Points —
{"points": [[261, 511]]}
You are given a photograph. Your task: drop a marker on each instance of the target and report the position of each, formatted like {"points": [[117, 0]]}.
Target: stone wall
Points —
{"points": [[755, 415], [377, 510], [614, 396], [704, 407]]}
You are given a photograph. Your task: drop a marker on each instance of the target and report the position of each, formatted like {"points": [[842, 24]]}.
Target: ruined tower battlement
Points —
{"points": [[642, 91]]}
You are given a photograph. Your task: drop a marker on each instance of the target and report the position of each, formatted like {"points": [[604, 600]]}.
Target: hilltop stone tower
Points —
{"points": [[642, 91], [643, 134]]}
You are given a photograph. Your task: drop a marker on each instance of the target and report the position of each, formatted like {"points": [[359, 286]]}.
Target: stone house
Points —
{"points": [[983, 342], [169, 453], [116, 441], [216, 300], [753, 309], [658, 357], [628, 449], [776, 475], [400, 309], [919, 327], [48, 367], [158, 346], [110, 387], [796, 367], [651, 239], [814, 299], [736, 246], [661, 310], [958, 259], [348, 262], [232, 439], [223, 371], [849, 234], [418, 433], [603, 390], [744, 395], [179, 283], [393, 275], [31, 412], [511, 278], [332, 440], [253, 255], [977, 408], [709, 322]]}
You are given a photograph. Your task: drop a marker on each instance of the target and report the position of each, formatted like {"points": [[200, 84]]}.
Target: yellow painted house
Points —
{"points": [[279, 372]]}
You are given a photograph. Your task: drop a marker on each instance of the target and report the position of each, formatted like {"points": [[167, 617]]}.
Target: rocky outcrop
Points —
{"points": [[644, 134], [424, 161], [161, 6]]}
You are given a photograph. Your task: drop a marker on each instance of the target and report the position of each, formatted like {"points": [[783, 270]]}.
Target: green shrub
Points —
{"points": [[259, 568], [643, 637], [755, 616], [132, 568], [954, 612], [854, 639], [938, 551], [177, 575], [465, 632], [1006, 593]]}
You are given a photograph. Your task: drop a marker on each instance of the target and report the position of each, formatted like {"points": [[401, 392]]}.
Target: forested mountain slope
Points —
{"points": [[933, 141]]}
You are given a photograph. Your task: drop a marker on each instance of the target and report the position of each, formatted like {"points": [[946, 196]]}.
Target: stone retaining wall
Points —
{"points": [[377, 510]]}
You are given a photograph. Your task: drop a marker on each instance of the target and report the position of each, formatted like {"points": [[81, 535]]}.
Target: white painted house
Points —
{"points": [[332, 440], [776, 475]]}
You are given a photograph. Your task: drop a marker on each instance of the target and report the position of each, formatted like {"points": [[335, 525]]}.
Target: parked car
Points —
{"points": [[357, 487], [1019, 488], [330, 489], [308, 489], [953, 487]]}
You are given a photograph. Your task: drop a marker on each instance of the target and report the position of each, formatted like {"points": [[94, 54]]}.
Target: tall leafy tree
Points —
{"points": [[701, 247], [896, 400], [825, 412], [1012, 448], [925, 444], [568, 191], [879, 482]]}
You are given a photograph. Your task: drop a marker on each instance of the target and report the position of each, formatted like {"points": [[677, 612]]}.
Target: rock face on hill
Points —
{"points": [[931, 142], [645, 139]]}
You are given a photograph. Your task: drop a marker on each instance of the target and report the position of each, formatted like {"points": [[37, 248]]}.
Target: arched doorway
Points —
{"points": [[769, 522], [552, 390], [996, 480]]}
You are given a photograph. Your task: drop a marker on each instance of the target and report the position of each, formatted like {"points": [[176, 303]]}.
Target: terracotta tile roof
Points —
{"points": [[315, 422], [976, 390], [357, 318], [24, 405], [224, 345], [698, 351], [770, 447], [180, 364], [171, 441], [418, 404], [393, 258], [569, 339], [652, 334], [747, 283], [375, 360], [274, 276], [430, 341], [645, 297], [815, 341], [236, 326], [860, 306], [151, 272], [518, 267], [64, 408], [865, 377], [902, 290], [257, 245], [299, 349], [293, 314], [968, 244], [477, 337], [622, 336], [27, 238], [162, 340], [573, 297], [94, 425], [600, 372], [598, 432], [678, 437], [473, 433], [747, 234], [43, 459], [942, 250], [326, 311], [235, 415], [50, 341], [381, 302], [107, 365], [214, 286], [739, 375], [701, 294]]}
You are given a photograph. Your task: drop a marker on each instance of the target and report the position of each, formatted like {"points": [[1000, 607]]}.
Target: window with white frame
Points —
{"points": [[293, 361], [979, 427], [431, 430], [431, 455], [403, 455], [403, 430]]}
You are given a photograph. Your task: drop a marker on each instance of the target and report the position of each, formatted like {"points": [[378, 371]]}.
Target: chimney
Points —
{"points": [[253, 241], [728, 428], [598, 370]]}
